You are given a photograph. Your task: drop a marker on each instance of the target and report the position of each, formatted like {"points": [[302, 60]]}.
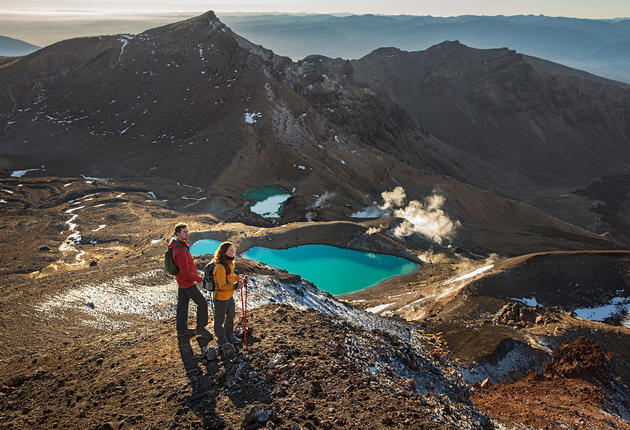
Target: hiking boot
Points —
{"points": [[186, 333], [234, 340], [228, 349], [203, 333]]}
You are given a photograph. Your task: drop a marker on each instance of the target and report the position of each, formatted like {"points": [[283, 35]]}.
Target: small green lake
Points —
{"points": [[269, 200], [332, 269]]}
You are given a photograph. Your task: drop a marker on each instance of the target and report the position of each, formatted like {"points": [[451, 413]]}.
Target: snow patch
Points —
{"points": [[271, 206], [469, 275], [90, 178], [20, 173], [377, 309], [7, 191], [69, 211], [616, 306], [250, 117], [100, 227], [526, 301], [124, 39]]}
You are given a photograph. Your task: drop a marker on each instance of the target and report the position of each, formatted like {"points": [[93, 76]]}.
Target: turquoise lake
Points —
{"points": [[269, 200], [332, 269]]}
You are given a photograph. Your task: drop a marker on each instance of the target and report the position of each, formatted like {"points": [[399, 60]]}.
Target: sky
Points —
{"points": [[571, 8]]}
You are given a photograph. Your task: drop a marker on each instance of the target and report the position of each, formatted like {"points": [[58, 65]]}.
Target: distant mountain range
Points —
{"points": [[598, 46], [523, 150], [10, 47]]}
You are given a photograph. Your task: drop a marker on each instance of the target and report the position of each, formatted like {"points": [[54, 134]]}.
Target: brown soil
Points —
{"points": [[573, 392], [55, 371], [143, 377]]}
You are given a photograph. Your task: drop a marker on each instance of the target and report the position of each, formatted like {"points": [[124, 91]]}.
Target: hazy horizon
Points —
{"points": [[44, 28]]}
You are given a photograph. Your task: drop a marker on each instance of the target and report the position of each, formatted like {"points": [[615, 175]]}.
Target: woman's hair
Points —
{"points": [[220, 256]]}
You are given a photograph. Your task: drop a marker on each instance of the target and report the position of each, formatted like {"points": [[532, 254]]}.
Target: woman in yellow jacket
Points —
{"points": [[226, 282]]}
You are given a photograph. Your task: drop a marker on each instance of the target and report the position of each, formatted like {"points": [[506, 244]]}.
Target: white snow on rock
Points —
{"points": [[377, 309], [124, 39], [408, 305], [94, 179], [152, 194], [69, 211], [153, 294], [115, 303], [20, 173], [529, 302], [7, 191], [616, 306], [100, 227], [250, 117], [469, 275], [3, 201]]}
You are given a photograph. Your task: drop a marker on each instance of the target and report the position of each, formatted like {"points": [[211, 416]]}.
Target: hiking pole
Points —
{"points": [[244, 323]]}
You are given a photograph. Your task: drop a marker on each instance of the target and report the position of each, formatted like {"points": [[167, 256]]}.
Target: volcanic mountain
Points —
{"points": [[513, 143]]}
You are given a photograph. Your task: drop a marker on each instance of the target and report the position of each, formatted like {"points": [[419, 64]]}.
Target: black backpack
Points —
{"points": [[208, 278]]}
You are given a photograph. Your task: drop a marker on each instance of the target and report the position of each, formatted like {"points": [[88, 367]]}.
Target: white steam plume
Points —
{"points": [[323, 200], [427, 218], [393, 199]]}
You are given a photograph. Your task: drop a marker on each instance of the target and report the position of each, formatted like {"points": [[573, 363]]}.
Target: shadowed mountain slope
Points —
{"points": [[194, 103]]}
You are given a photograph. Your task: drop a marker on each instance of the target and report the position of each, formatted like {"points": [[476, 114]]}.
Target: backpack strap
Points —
{"points": [[179, 246]]}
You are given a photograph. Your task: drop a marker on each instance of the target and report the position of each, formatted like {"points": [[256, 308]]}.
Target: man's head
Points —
{"points": [[181, 231]]}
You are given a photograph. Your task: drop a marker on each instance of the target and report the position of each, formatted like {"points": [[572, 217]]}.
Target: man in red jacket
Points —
{"points": [[186, 279]]}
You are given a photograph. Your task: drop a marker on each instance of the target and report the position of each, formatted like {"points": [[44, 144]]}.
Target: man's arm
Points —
{"points": [[180, 257]]}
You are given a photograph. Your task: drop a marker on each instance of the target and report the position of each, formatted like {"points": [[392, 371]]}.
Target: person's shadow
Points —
{"points": [[202, 400]]}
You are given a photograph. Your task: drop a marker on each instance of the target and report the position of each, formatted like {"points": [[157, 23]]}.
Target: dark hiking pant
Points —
{"points": [[224, 313], [183, 299]]}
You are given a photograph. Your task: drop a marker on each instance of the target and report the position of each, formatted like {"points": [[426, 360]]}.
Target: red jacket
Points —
{"points": [[187, 275]]}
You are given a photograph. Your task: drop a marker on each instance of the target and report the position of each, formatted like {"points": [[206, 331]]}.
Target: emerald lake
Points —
{"points": [[332, 269]]}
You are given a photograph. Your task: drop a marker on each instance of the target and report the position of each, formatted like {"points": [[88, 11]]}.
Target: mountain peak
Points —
{"points": [[449, 45]]}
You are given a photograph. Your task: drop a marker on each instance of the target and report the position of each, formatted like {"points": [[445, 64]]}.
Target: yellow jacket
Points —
{"points": [[224, 291]]}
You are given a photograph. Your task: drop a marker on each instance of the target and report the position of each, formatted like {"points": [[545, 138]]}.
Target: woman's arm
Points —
{"points": [[220, 280]]}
